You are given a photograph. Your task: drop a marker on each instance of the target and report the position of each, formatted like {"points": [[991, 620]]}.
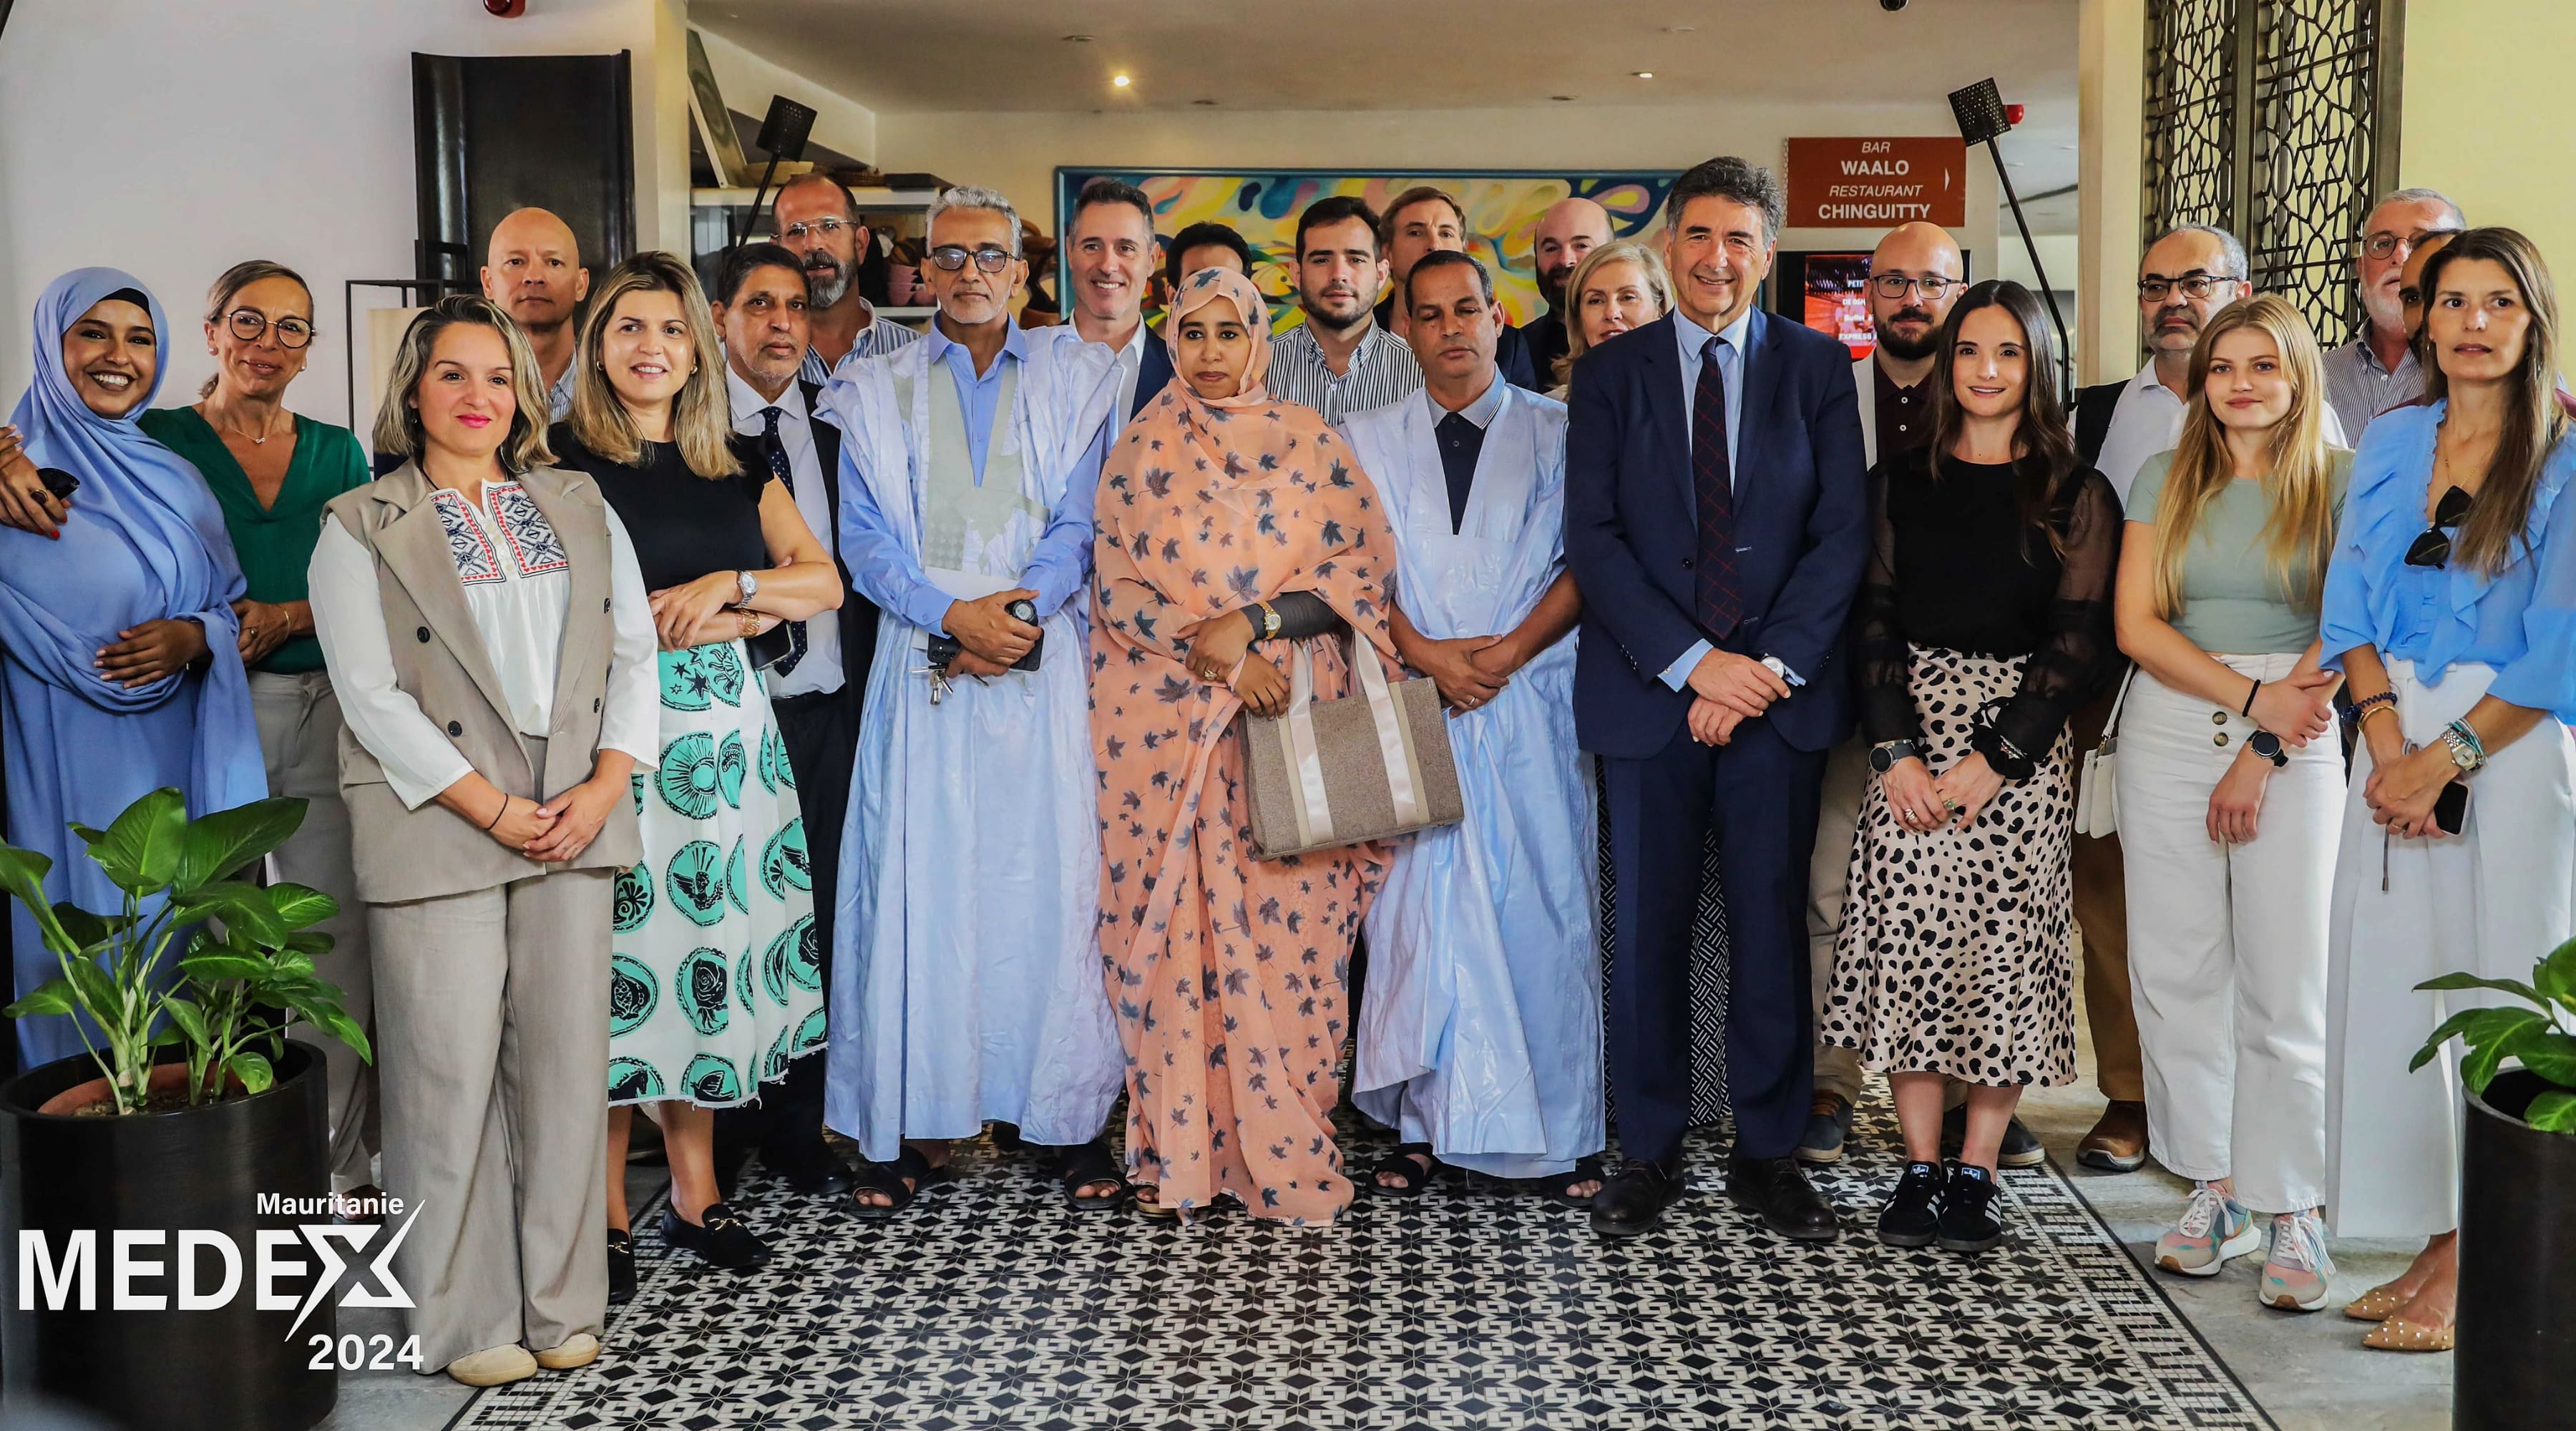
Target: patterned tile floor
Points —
{"points": [[990, 1305]]}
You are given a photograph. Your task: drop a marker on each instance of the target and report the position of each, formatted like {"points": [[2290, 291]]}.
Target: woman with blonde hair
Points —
{"points": [[2229, 783], [1616, 287], [2451, 606], [717, 982]]}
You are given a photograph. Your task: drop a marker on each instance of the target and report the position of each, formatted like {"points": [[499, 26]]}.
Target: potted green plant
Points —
{"points": [[2516, 1349], [190, 1106]]}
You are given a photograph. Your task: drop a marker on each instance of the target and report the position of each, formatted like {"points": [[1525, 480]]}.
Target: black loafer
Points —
{"points": [[721, 1237], [1778, 1191], [621, 1267], [1969, 1222], [1912, 1216], [1631, 1204]]}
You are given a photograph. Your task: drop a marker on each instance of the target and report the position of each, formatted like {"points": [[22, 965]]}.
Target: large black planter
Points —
{"points": [[2517, 1335], [230, 1368]]}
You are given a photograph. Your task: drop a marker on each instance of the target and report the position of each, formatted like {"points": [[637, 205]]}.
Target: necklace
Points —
{"points": [[260, 440]]}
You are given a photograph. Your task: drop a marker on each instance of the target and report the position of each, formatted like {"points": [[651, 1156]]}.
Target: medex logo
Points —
{"points": [[153, 1270]]}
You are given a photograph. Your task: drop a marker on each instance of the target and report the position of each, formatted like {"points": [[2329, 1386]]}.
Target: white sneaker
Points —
{"points": [[2214, 1228], [2296, 1274]]}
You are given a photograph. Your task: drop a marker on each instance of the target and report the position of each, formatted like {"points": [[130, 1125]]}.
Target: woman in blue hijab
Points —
{"points": [[119, 668]]}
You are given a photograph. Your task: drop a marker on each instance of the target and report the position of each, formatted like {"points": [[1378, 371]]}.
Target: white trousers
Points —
{"points": [[2227, 944], [2492, 900]]}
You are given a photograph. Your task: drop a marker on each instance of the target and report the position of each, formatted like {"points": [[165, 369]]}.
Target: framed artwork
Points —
{"points": [[1503, 206]]}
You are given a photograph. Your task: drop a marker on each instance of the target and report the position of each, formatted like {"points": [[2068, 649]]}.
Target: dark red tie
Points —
{"points": [[1719, 606]]}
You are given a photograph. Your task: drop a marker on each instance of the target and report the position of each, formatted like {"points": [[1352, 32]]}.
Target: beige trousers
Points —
{"points": [[1847, 779], [492, 1019], [299, 735]]}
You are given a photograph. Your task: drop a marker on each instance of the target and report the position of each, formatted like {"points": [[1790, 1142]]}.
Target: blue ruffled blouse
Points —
{"points": [[2521, 622]]}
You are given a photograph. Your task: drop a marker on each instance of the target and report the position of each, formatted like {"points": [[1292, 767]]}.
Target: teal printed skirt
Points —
{"points": [[716, 982]]}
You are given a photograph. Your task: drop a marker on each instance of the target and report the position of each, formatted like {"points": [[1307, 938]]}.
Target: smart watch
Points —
{"points": [[2267, 745], [1884, 755]]}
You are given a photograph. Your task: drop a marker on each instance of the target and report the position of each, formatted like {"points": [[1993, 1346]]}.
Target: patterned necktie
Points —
{"points": [[1719, 605], [775, 450]]}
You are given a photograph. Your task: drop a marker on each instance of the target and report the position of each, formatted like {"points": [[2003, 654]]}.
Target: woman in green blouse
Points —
{"points": [[272, 471]]}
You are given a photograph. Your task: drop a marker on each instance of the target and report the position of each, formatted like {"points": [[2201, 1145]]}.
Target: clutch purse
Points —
{"points": [[1369, 766], [2097, 793]]}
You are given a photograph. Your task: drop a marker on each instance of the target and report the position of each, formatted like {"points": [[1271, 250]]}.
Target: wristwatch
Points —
{"points": [[2267, 745], [1780, 668], [748, 584], [1884, 755]]}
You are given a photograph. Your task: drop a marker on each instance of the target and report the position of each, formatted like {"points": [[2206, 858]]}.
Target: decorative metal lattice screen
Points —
{"points": [[2274, 120]]}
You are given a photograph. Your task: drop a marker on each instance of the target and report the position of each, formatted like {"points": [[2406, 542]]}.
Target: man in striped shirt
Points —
{"points": [[1339, 361], [818, 220]]}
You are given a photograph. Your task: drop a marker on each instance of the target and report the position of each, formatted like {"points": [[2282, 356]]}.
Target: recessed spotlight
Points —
{"points": [[1642, 74], [1077, 39], [1120, 80], [1679, 29]]}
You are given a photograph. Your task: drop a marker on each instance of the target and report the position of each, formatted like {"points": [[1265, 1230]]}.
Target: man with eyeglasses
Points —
{"points": [[532, 268], [818, 221], [966, 980], [2378, 370]]}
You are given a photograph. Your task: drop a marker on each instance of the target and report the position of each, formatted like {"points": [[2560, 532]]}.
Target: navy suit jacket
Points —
{"points": [[1153, 372], [1632, 534]]}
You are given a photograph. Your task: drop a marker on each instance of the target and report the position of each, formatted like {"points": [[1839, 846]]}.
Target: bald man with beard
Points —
{"points": [[1571, 228], [532, 268]]}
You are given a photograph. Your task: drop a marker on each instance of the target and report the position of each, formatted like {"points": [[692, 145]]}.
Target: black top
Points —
{"points": [[1903, 415], [1951, 565], [683, 525], [1461, 443]]}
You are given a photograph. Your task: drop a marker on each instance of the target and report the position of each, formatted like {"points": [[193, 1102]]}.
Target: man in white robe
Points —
{"points": [[966, 980], [1480, 1033]]}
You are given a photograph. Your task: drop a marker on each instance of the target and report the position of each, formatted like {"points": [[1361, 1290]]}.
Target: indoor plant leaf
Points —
{"points": [[86, 929], [140, 851], [2547, 1052], [54, 998], [299, 907], [2552, 1112], [252, 1070], [243, 908], [187, 1018], [218, 844], [2451, 982], [2555, 976], [210, 967]]}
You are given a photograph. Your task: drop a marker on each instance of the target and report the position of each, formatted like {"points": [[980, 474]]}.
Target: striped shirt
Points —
{"points": [[880, 337], [1383, 371]]}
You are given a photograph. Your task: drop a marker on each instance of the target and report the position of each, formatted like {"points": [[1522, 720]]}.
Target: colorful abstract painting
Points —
{"points": [[1263, 204]]}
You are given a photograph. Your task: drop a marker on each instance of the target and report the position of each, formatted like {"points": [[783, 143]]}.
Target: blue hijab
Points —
{"points": [[145, 539]]}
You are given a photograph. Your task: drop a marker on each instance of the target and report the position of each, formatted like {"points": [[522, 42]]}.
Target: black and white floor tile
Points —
{"points": [[991, 1305]]}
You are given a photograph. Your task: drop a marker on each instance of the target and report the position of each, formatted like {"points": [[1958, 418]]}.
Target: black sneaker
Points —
{"points": [[2020, 1148], [721, 1238], [621, 1267], [1912, 1217], [1969, 1222]]}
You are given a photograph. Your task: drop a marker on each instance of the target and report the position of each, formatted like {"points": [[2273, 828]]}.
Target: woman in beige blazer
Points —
{"points": [[488, 785]]}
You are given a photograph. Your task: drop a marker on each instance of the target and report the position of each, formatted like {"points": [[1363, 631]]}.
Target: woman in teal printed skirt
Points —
{"points": [[716, 980]]}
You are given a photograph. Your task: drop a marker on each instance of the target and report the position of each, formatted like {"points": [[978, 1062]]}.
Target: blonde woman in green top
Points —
{"points": [[271, 471], [2230, 792]]}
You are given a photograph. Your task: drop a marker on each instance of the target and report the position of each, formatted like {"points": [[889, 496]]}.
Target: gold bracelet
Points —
{"points": [[2380, 708], [750, 622]]}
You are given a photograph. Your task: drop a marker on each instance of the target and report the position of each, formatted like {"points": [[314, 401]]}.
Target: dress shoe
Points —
{"points": [[2117, 1144], [580, 1349], [719, 1236], [1912, 1216], [621, 1267], [818, 1174], [1829, 1123], [1969, 1222], [2019, 1149], [1632, 1203], [493, 1366], [1777, 1189]]}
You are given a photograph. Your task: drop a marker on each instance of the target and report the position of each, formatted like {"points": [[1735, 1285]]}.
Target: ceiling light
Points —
{"points": [[1643, 74], [1562, 98], [1679, 29], [1203, 101], [1119, 80]]}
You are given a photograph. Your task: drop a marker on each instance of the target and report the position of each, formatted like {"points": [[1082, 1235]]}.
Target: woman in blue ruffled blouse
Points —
{"points": [[2451, 606]]}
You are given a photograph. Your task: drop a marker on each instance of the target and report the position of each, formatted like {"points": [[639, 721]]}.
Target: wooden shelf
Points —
{"points": [[870, 200]]}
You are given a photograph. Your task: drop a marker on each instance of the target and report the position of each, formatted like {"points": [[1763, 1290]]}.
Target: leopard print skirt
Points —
{"points": [[1957, 953]]}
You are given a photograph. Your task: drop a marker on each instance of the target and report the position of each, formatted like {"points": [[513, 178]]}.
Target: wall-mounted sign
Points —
{"points": [[1877, 183]]}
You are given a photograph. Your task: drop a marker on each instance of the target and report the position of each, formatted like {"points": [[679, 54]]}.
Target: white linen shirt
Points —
{"points": [[820, 670], [517, 600], [2148, 420]]}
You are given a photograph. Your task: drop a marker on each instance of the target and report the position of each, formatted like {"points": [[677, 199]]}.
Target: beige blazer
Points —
{"points": [[440, 662]]}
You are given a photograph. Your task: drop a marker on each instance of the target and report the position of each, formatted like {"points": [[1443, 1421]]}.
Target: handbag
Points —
{"points": [[1369, 766], [2097, 794]]}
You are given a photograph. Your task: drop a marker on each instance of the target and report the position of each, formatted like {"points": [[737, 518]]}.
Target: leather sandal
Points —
{"points": [[1084, 1164], [899, 1182], [1559, 1188], [1402, 1163]]}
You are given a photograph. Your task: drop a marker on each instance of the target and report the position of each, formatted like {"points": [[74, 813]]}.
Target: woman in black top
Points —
{"points": [[716, 981], [1983, 622]]}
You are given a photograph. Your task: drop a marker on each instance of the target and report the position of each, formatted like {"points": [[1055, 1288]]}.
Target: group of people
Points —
{"points": [[717, 678]]}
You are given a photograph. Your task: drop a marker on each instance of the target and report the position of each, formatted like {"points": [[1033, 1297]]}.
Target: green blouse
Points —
{"points": [[275, 544], [2232, 599]]}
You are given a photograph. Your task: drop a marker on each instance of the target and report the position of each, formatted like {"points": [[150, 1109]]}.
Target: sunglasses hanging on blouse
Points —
{"points": [[2433, 548]]}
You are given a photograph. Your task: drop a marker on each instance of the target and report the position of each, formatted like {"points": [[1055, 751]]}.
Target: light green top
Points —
{"points": [[2233, 601]]}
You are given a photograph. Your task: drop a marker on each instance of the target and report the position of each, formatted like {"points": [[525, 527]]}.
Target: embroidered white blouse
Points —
{"points": [[517, 584]]}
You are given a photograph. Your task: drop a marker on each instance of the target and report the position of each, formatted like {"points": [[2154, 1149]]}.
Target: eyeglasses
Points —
{"points": [[2194, 286], [1894, 285], [2433, 548], [2384, 244], [952, 257], [826, 228], [248, 323]]}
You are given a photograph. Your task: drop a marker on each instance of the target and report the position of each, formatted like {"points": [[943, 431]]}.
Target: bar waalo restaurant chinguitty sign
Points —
{"points": [[1877, 183]]}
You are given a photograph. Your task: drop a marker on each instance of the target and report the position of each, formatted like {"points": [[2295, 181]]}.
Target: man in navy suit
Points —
{"points": [[1109, 250], [1716, 521]]}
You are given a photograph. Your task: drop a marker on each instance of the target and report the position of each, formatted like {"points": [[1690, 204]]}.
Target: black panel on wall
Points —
{"points": [[491, 134]]}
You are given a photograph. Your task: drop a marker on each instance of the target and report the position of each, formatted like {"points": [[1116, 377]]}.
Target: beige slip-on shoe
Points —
{"points": [[493, 1366], [580, 1349]]}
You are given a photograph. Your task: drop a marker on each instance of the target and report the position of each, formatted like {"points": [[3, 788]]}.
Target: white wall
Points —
{"points": [[747, 81], [1018, 153], [174, 139]]}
